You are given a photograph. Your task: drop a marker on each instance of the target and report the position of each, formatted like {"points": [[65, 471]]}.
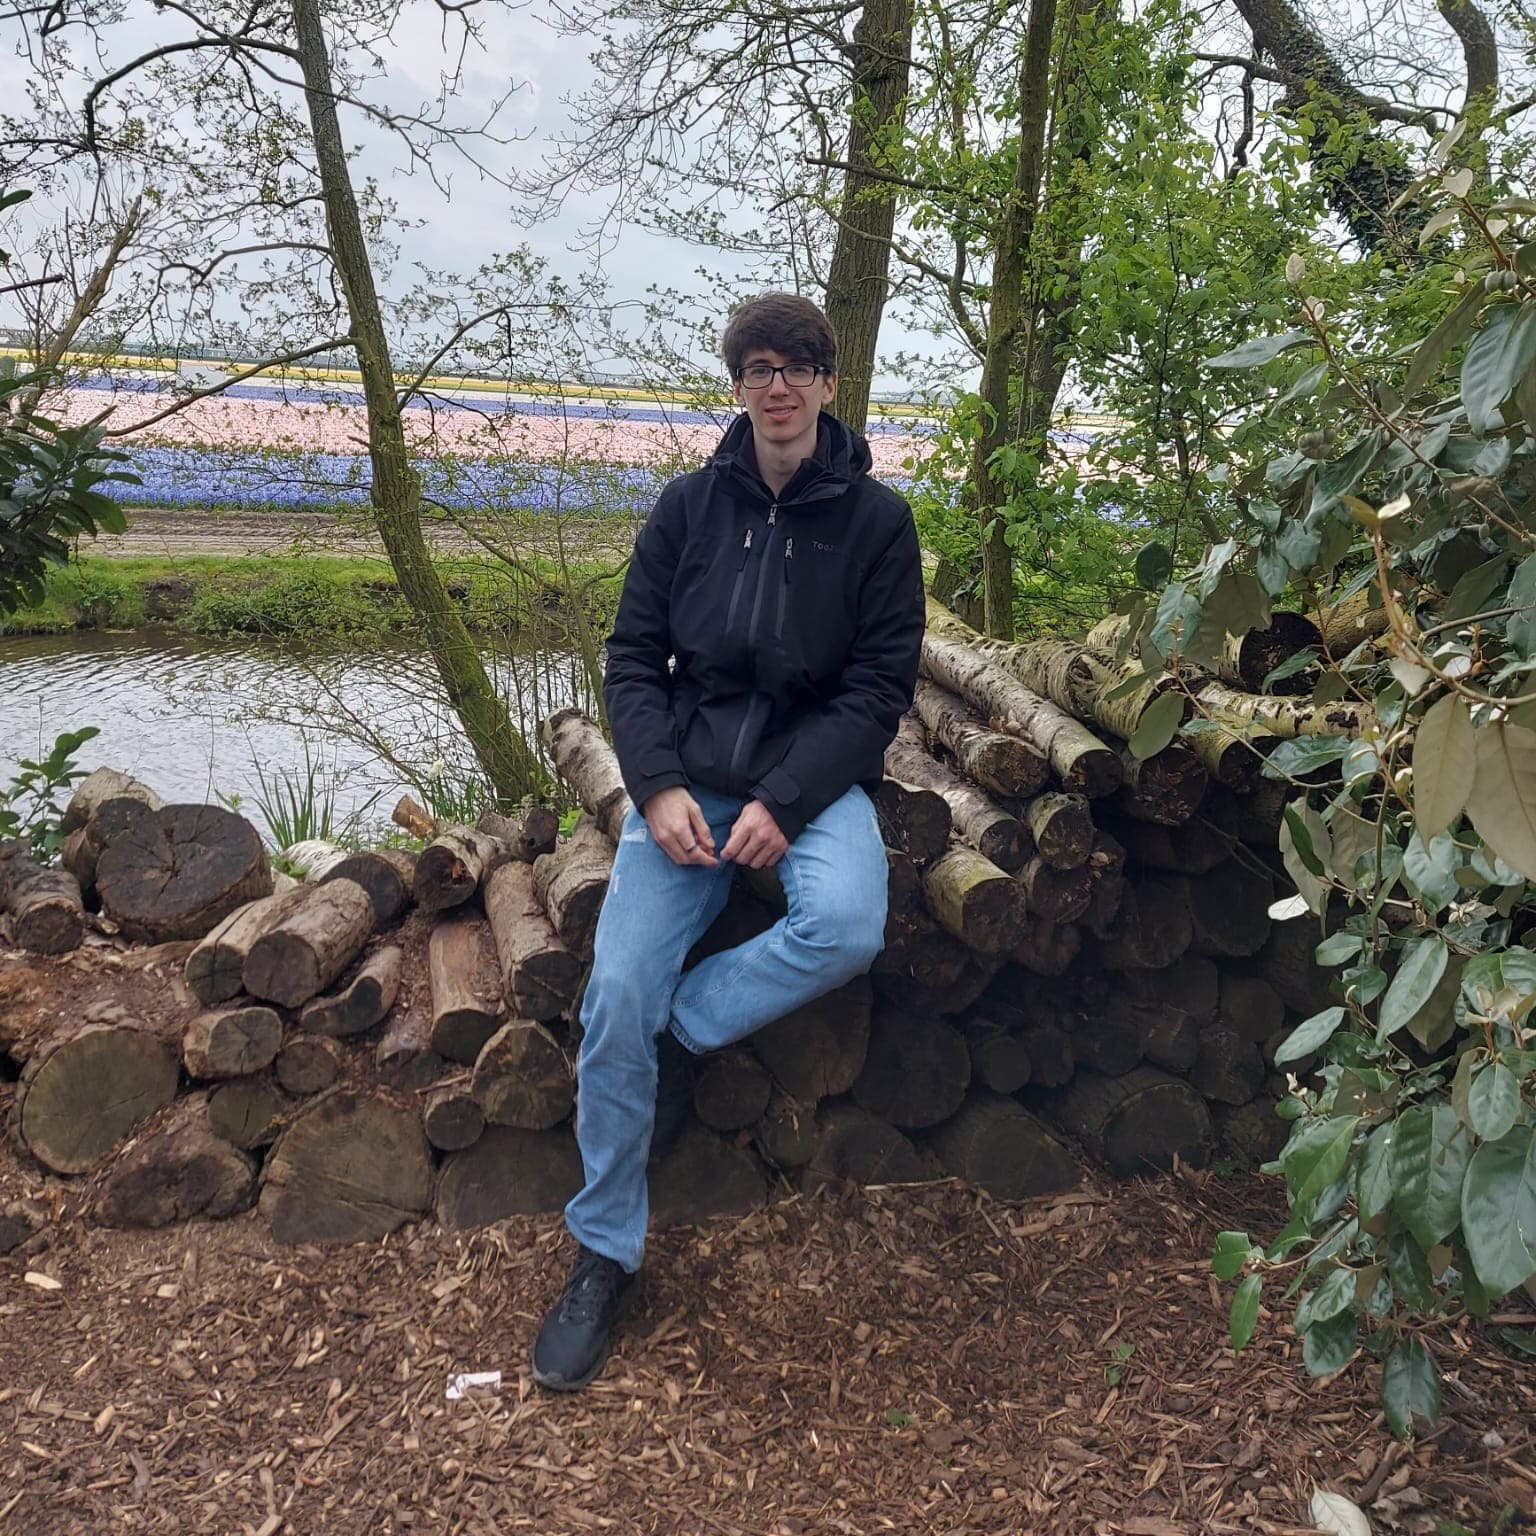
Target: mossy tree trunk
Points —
{"points": [[509, 765]]}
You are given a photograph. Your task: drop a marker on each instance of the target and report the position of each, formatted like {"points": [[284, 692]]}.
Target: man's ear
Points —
{"points": [[829, 389]]}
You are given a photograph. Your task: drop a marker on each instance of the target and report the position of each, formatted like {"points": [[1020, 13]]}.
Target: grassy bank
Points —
{"points": [[295, 597]]}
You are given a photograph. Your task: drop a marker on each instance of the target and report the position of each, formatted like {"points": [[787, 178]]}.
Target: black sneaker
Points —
{"points": [[573, 1343], [674, 1093]]}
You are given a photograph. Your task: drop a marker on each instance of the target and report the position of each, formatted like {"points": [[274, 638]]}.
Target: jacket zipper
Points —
{"points": [[788, 565], [757, 604], [741, 572]]}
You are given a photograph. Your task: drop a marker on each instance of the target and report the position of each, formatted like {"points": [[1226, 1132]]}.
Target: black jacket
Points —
{"points": [[792, 626]]}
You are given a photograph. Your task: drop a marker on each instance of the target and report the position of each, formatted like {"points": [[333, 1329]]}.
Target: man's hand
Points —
{"points": [[755, 841], [679, 827]]}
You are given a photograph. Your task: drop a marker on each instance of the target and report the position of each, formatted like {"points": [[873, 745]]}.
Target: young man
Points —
{"points": [[766, 645]]}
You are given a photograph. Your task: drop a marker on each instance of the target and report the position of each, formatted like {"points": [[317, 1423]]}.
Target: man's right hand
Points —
{"points": [[679, 827]]}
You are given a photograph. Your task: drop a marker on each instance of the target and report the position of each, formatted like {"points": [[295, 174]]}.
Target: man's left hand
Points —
{"points": [[755, 841]]}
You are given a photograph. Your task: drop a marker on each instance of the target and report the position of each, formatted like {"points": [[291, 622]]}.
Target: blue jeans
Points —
{"points": [[834, 879]]}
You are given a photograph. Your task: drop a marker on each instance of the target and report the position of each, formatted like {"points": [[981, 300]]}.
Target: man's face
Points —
{"points": [[784, 414]]}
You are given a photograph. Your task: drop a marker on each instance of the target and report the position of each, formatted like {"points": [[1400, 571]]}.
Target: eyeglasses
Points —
{"points": [[796, 375]]}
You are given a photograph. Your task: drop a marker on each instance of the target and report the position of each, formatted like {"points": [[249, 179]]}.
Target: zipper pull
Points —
{"points": [[746, 549], [789, 555], [773, 514]]}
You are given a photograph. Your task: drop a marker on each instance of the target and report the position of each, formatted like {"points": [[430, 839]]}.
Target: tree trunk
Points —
{"points": [[1229, 908], [178, 872], [181, 1171], [1196, 848], [388, 876], [1153, 928], [583, 758], [1105, 1040], [995, 760], [818, 1050], [861, 257], [1168, 1036], [1288, 963], [307, 1064], [1055, 895], [914, 820], [106, 803], [975, 900], [523, 1078], [539, 975], [1252, 1133], [350, 1168], [404, 1058], [989, 829], [509, 765], [731, 1090], [246, 1112], [1249, 1007], [1079, 758], [704, 1176], [452, 1118], [1250, 818], [572, 882], [999, 1058], [1005, 1150], [508, 1172], [1106, 862], [1138, 1122], [466, 988], [786, 1135], [1230, 1069], [362, 1003], [215, 969], [856, 1145], [233, 1042], [314, 942], [1051, 1059], [452, 866], [916, 1070], [1352, 621], [1047, 948], [1165, 789], [525, 837], [47, 916], [84, 1090], [1287, 718], [1062, 829]]}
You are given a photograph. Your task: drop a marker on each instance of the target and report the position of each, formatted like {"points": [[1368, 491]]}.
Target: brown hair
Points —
{"points": [[783, 323]]}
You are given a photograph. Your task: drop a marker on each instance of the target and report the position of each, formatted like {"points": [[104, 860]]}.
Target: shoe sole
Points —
{"points": [[565, 1384]]}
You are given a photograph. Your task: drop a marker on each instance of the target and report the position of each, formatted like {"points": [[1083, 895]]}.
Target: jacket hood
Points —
{"points": [[841, 458]]}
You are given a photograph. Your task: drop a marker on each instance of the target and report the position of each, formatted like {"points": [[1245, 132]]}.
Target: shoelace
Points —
{"points": [[591, 1285]]}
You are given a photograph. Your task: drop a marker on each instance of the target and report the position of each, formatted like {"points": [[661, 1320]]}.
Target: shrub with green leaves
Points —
{"points": [[1411, 839], [32, 804]]}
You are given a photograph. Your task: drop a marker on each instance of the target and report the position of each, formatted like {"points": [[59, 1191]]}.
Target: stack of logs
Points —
{"points": [[1079, 958]]}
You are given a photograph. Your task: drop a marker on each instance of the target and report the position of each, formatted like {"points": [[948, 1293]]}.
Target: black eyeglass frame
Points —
{"points": [[816, 372]]}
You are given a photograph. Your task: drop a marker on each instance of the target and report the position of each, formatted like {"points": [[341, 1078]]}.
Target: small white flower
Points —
{"points": [[437, 770]]}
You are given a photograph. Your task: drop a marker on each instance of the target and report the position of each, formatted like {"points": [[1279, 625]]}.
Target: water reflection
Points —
{"points": [[194, 719]]}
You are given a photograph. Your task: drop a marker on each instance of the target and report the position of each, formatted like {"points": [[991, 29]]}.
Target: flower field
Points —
{"points": [[291, 449]]}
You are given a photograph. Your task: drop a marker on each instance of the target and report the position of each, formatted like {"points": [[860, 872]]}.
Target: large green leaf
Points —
{"points": [[1327, 1346], [1502, 801], [1314, 1158], [1495, 362], [1430, 872], [1493, 1100], [1410, 1387], [1258, 350], [1474, 588], [1444, 765], [1430, 1153], [1418, 973], [1373, 1176], [1498, 1210], [1158, 724], [1450, 332], [1245, 1312], [1520, 628], [1310, 1036]]}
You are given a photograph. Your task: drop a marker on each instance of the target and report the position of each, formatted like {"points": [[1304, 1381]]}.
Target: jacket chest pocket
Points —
{"points": [[814, 606]]}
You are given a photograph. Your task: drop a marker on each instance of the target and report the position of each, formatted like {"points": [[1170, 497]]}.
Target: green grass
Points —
{"points": [[291, 597]]}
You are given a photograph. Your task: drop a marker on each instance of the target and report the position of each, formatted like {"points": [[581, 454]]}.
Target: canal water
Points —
{"points": [[205, 721]]}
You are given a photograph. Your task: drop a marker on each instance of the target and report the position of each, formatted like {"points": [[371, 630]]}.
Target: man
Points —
{"points": [[765, 648]]}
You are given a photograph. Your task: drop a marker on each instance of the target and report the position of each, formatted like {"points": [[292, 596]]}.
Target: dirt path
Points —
{"points": [[163, 532], [914, 1360]]}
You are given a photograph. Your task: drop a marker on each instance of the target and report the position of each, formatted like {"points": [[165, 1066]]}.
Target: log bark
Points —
{"points": [[1229, 909], [452, 1117], [232, 1042], [524, 837], [1106, 1040], [818, 1050], [1047, 948], [572, 882], [587, 763], [1229, 1070], [362, 1002], [999, 1058], [84, 1090], [247, 1112], [1168, 1036], [1288, 963], [350, 1168], [215, 969], [1192, 986], [508, 1172], [1352, 621], [310, 945], [916, 1070], [105, 804], [931, 971], [1062, 829], [787, 1133], [1106, 861], [1249, 1007], [181, 1171], [914, 820], [1079, 758], [1255, 817], [1166, 788], [731, 1090], [704, 1176], [1055, 895], [974, 900], [411, 815], [450, 867], [404, 1057], [539, 975], [47, 914], [388, 876], [1286, 718], [313, 857], [858, 1146], [995, 833], [1233, 759], [178, 872], [1153, 928], [466, 988], [993, 759], [999, 1146], [523, 1078], [79, 858], [307, 1064], [1252, 1134], [1143, 1120]]}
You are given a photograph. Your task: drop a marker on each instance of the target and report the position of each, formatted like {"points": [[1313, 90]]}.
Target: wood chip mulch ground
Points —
{"points": [[922, 1360]]}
